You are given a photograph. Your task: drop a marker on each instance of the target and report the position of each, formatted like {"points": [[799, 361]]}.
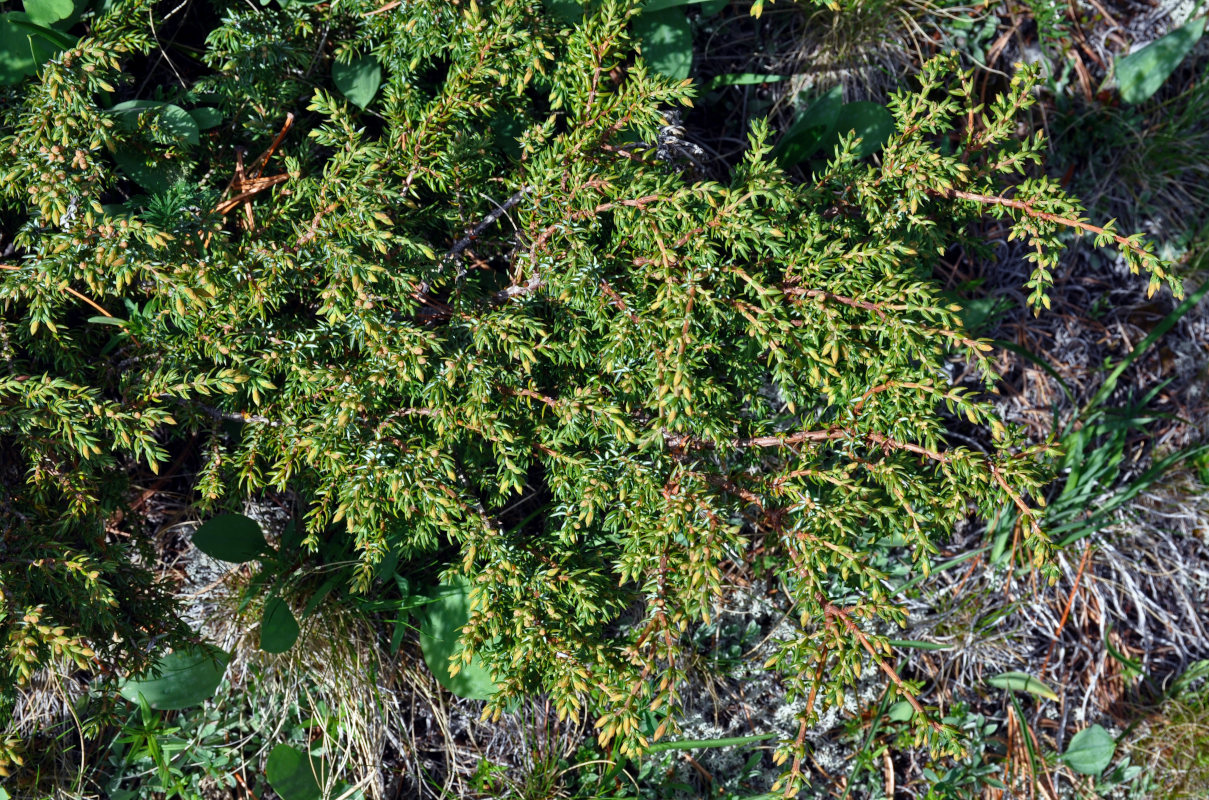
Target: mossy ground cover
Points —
{"points": [[327, 264]]}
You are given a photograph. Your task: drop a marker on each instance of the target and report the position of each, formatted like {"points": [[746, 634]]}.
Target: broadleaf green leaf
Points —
{"points": [[175, 120], [1090, 751], [187, 679], [149, 169], [871, 121], [206, 117], [294, 775], [812, 127], [48, 12], [667, 41], [278, 627], [440, 633], [358, 80], [1021, 682], [1142, 73], [16, 57], [231, 537], [567, 12], [655, 6]]}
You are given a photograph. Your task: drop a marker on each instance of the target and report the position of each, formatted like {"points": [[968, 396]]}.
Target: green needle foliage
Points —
{"points": [[499, 284]]}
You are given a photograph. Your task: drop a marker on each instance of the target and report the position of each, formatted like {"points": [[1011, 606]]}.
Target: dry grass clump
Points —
{"points": [[1175, 747]]}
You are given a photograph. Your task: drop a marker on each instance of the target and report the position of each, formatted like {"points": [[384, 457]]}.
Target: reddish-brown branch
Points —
{"points": [[877, 308], [1027, 208], [1070, 601], [801, 437], [834, 612], [383, 9], [257, 185], [617, 301], [550, 230], [313, 230], [1017, 500]]}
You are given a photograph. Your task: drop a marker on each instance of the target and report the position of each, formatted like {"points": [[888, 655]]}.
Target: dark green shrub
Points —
{"points": [[493, 318]]}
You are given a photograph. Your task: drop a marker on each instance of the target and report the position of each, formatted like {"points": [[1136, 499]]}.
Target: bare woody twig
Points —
{"points": [[487, 222], [461, 244]]}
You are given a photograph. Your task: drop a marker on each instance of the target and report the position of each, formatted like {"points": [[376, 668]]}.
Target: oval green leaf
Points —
{"points": [[206, 117], [812, 127], [294, 775], [1090, 751], [47, 12], [16, 56], [1142, 73], [440, 632], [358, 80], [231, 537], [174, 119], [1020, 682], [667, 41], [149, 169], [870, 121], [186, 678], [278, 628], [902, 711]]}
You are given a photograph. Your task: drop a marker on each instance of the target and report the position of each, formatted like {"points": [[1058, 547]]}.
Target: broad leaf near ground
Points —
{"points": [[440, 632], [278, 627], [25, 44], [1142, 73], [568, 12], [16, 57], [231, 537], [812, 127], [667, 41], [294, 775], [187, 678], [206, 117], [1090, 751], [358, 80], [174, 119], [148, 168], [870, 121], [652, 6], [47, 12]]}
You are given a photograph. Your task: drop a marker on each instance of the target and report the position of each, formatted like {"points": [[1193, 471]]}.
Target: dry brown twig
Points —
{"points": [[245, 187]]}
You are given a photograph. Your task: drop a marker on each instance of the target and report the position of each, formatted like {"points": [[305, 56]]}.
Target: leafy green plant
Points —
{"points": [[30, 37], [294, 775], [167, 754], [181, 679], [1094, 444], [1089, 751], [828, 119], [239, 539], [440, 637], [487, 333], [1021, 682], [1142, 73]]}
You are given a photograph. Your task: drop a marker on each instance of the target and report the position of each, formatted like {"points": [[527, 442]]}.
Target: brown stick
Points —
{"points": [[1070, 601]]}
